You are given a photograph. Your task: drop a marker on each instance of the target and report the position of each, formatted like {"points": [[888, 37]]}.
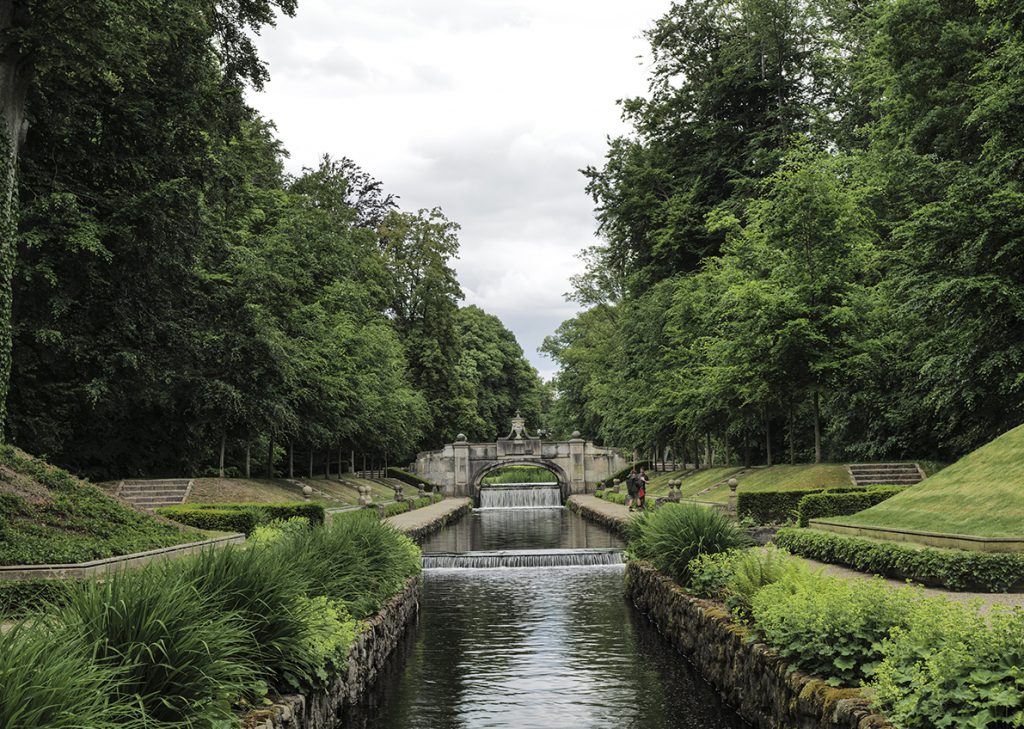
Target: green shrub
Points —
{"points": [[48, 680], [734, 577], [357, 558], [670, 537], [396, 507], [240, 517], [830, 627], [614, 498], [278, 529], [836, 503], [181, 661], [412, 479], [268, 597], [770, 507], [710, 574], [952, 667], [950, 568], [21, 596], [212, 519]]}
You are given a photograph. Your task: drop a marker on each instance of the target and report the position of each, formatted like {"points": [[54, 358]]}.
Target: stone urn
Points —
{"points": [[307, 491], [399, 496], [615, 486], [365, 495]]}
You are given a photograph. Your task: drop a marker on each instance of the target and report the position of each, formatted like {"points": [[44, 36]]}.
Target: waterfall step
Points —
{"points": [[522, 558], [520, 496]]}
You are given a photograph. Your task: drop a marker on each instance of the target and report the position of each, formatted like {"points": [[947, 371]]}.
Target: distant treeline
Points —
{"points": [[179, 299], [813, 237]]}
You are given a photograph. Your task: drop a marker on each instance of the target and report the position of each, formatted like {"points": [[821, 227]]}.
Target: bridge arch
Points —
{"points": [[487, 468]]}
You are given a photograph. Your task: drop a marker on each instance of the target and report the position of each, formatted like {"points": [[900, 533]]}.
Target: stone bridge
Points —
{"points": [[461, 466]]}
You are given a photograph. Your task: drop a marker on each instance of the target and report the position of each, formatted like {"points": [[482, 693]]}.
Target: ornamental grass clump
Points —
{"points": [[180, 660], [48, 680], [829, 627], [672, 536], [267, 596], [357, 559], [952, 667]]}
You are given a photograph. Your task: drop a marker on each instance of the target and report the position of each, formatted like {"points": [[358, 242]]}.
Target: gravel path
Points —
{"points": [[987, 599]]}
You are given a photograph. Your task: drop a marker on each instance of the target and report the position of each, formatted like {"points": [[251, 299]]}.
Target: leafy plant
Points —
{"points": [[670, 537], [830, 627], [180, 660], [49, 680], [952, 667]]}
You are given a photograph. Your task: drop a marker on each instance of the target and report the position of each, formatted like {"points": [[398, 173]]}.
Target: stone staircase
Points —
{"points": [[151, 494], [890, 474]]}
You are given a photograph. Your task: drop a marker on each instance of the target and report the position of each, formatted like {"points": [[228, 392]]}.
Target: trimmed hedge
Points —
{"points": [[833, 503], [412, 479], [621, 475], [949, 568], [240, 517], [770, 507]]}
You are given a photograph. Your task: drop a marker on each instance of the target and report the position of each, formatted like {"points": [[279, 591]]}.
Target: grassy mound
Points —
{"points": [[47, 516], [798, 477], [981, 495]]}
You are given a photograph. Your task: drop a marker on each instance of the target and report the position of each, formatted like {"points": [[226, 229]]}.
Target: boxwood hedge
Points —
{"points": [[832, 503], [240, 517]]}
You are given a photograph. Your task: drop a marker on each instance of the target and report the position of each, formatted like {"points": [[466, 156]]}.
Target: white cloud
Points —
{"points": [[487, 109]]}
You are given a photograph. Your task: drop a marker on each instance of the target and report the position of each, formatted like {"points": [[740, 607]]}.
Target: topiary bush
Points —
{"points": [[672, 536], [835, 503]]}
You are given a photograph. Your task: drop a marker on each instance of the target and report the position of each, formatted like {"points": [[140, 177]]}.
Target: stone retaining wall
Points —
{"points": [[369, 652], [751, 677], [616, 525]]}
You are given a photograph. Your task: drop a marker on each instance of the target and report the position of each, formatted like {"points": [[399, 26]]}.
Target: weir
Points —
{"points": [[523, 558], [520, 496]]}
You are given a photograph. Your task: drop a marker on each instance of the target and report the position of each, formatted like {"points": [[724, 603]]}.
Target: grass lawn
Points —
{"points": [[691, 482], [787, 478], [266, 491], [982, 494]]}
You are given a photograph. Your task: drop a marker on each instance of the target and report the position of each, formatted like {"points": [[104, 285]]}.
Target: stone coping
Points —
{"points": [[965, 542], [111, 564]]}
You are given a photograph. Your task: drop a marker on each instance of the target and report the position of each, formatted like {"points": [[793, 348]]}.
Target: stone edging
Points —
{"points": [[615, 525], [109, 564], [369, 652], [751, 677], [418, 534]]}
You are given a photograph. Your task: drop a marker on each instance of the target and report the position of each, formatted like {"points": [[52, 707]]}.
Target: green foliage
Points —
{"points": [[830, 627], [521, 474], [180, 661], [734, 577], [23, 596], [672, 536], [621, 475], [47, 516], [267, 599], [832, 503], [277, 529], [396, 507], [357, 559], [949, 568], [411, 479], [49, 681], [241, 517], [953, 667], [770, 507]]}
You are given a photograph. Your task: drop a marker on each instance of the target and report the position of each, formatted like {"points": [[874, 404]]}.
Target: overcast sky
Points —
{"points": [[486, 108]]}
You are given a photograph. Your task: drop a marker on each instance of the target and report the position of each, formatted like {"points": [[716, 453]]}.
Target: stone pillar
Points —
{"points": [[577, 466], [461, 462], [732, 497]]}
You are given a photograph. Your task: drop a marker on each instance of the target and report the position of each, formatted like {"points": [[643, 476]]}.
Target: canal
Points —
{"points": [[534, 647]]}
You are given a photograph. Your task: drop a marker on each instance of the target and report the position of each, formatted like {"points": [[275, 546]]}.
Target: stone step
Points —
{"points": [[888, 481]]}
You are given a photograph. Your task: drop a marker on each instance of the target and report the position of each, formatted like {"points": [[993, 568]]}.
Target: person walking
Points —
{"points": [[632, 487], [642, 480]]}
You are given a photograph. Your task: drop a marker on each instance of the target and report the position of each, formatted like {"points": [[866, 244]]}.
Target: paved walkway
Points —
{"points": [[418, 518], [987, 599]]}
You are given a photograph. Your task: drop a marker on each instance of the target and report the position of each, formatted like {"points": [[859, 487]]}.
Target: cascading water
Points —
{"points": [[523, 558], [520, 496]]}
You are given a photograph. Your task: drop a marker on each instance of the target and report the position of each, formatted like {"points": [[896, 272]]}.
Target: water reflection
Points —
{"points": [[537, 648], [488, 529]]}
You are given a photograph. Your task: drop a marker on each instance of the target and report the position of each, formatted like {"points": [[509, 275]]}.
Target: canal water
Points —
{"points": [[555, 647]]}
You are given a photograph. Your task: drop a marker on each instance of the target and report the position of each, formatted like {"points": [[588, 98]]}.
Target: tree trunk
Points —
{"points": [[291, 459], [746, 452], [311, 461], [340, 459], [15, 73], [248, 461], [708, 456], [352, 461], [817, 427], [223, 444], [728, 454], [792, 435], [270, 458], [327, 463], [768, 438]]}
